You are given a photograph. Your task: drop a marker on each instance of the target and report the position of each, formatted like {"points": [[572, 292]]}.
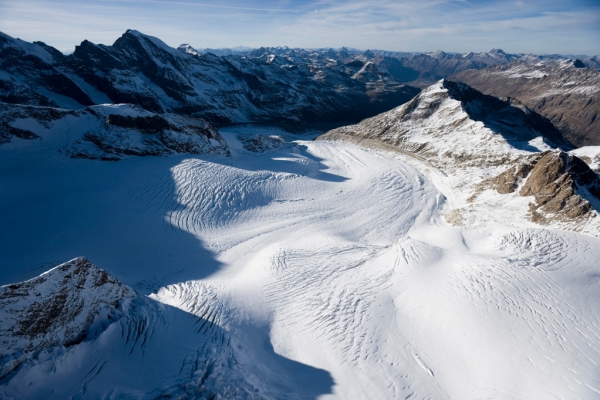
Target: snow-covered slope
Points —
{"points": [[107, 132], [76, 332], [482, 150], [55, 308], [142, 70], [299, 270]]}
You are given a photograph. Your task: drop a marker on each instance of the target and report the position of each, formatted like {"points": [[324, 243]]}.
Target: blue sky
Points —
{"points": [[536, 26]]}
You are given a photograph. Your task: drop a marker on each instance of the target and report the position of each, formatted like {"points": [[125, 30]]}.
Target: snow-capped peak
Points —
{"points": [[186, 48], [31, 49]]}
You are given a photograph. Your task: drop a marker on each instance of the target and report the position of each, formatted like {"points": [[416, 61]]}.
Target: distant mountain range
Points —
{"points": [[144, 71], [293, 88], [563, 91]]}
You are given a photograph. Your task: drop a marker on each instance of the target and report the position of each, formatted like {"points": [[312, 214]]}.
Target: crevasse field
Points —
{"points": [[314, 270]]}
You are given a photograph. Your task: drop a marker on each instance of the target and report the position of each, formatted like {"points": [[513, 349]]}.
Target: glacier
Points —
{"points": [[293, 269]]}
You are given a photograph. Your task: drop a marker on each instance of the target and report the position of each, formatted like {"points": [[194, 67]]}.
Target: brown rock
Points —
{"points": [[562, 185], [508, 181], [567, 96]]}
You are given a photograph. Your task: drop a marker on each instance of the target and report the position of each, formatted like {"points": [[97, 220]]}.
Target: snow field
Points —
{"points": [[360, 277], [316, 270]]}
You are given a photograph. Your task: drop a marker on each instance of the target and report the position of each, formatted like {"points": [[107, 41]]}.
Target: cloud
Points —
{"points": [[551, 26]]}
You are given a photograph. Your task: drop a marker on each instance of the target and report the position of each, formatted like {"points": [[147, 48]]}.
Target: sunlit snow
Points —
{"points": [[325, 270]]}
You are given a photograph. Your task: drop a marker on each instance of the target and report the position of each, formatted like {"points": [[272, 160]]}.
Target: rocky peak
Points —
{"points": [[17, 48], [498, 53], [438, 54], [563, 186], [508, 116], [188, 49], [57, 307], [456, 127]]}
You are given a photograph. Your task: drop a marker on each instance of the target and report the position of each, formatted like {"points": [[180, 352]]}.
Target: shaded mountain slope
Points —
{"points": [[107, 132], [568, 96], [144, 71]]}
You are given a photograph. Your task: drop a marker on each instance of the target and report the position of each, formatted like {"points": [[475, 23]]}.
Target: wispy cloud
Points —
{"points": [[453, 25]]}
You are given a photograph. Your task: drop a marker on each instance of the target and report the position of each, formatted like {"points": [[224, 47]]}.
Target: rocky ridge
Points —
{"points": [[108, 132], [563, 186], [471, 143], [54, 309], [75, 322], [451, 124], [144, 71]]}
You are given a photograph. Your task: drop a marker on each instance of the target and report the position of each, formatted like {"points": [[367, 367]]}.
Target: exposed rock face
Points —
{"points": [[563, 186], [56, 308], [110, 132], [560, 91], [508, 181], [142, 70]]}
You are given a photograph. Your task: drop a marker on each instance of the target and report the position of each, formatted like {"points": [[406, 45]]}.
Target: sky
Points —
{"points": [[535, 26]]}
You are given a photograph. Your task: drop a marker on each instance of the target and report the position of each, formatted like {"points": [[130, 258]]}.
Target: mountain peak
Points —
{"points": [[145, 39], [454, 125], [57, 307], [188, 49]]}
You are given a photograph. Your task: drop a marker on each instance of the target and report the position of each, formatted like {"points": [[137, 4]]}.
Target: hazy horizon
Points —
{"points": [[454, 26]]}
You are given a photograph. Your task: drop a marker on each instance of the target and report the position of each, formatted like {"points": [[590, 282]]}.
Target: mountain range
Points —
{"points": [[172, 230]]}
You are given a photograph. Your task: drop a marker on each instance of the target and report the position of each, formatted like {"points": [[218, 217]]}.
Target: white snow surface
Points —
{"points": [[31, 49], [324, 270]]}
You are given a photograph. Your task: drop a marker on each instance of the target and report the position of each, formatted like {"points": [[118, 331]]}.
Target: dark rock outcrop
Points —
{"points": [[299, 89], [563, 186], [110, 132], [508, 181]]}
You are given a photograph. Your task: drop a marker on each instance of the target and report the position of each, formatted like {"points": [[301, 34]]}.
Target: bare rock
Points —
{"points": [[57, 307], [563, 186], [509, 180]]}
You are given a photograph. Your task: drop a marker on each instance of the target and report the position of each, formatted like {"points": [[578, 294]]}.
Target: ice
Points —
{"points": [[310, 270]]}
